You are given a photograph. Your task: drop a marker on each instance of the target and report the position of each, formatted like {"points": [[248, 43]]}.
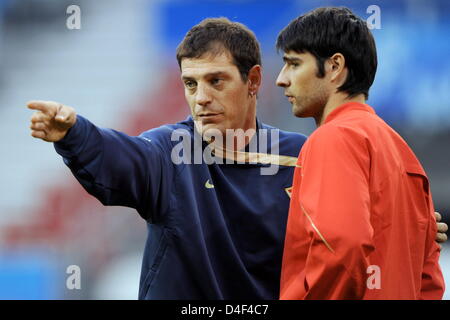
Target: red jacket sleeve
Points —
{"points": [[335, 201]]}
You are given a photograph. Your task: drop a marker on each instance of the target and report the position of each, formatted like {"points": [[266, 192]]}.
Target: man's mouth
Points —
{"points": [[208, 115], [290, 98]]}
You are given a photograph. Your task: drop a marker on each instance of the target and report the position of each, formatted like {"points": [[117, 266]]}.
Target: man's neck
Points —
{"points": [[239, 139], [235, 139], [249, 130], [334, 102]]}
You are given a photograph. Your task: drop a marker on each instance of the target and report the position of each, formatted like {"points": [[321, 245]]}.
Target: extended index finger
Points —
{"points": [[47, 107]]}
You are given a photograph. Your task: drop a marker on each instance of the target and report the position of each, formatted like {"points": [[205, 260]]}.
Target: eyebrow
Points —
{"points": [[287, 59], [208, 75]]}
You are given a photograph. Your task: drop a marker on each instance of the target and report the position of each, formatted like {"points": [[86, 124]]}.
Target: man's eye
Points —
{"points": [[189, 84], [216, 81]]}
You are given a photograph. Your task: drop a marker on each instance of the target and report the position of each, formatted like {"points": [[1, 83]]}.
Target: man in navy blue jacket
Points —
{"points": [[216, 211], [215, 228]]}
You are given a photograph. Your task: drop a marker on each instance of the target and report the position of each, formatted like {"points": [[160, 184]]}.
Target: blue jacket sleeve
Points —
{"points": [[119, 169]]}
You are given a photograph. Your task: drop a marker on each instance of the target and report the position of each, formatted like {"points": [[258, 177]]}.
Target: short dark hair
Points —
{"points": [[214, 35], [329, 30]]}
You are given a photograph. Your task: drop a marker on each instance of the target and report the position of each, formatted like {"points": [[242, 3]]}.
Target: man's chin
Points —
{"points": [[210, 130], [298, 111]]}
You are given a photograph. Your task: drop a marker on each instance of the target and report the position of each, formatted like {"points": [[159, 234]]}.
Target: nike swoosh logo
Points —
{"points": [[208, 185]]}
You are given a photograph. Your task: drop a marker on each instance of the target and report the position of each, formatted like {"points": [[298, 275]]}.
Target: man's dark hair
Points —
{"points": [[218, 35], [326, 31]]}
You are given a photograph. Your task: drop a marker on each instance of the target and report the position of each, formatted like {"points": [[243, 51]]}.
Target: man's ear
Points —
{"points": [[254, 79], [337, 68]]}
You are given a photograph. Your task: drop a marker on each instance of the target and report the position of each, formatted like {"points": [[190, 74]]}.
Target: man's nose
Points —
{"points": [[282, 80], [203, 96]]}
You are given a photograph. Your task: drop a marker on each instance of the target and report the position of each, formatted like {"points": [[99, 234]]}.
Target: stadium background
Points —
{"points": [[119, 70]]}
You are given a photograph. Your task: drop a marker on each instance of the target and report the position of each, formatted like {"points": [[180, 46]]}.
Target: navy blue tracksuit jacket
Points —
{"points": [[215, 231]]}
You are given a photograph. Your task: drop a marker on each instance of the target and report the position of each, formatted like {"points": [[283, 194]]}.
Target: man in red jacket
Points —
{"points": [[361, 222]]}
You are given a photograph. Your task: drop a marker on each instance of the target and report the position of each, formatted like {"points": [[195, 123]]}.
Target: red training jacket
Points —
{"points": [[361, 221]]}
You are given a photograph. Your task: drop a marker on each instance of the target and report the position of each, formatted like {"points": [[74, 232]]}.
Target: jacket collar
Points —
{"points": [[346, 107]]}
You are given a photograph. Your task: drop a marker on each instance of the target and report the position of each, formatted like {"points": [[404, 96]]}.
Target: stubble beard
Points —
{"points": [[311, 105]]}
